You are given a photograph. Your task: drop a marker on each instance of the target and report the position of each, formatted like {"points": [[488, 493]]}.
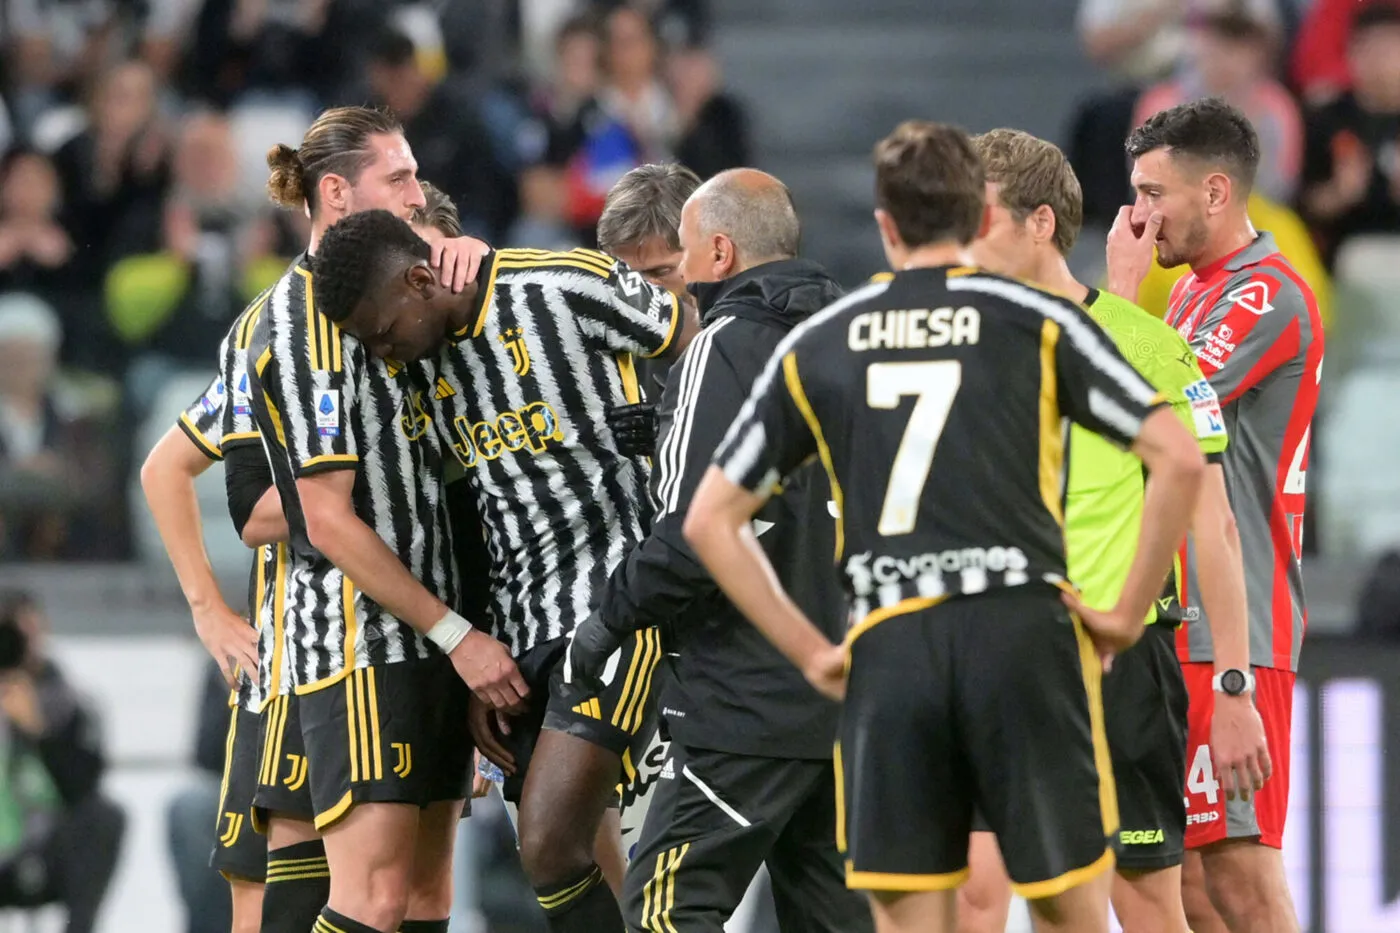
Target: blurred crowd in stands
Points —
{"points": [[134, 226], [133, 221]]}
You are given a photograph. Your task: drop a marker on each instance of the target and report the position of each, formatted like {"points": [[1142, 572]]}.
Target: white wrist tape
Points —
{"points": [[449, 631]]}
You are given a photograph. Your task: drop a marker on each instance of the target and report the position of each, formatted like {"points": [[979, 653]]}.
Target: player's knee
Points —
{"points": [[982, 906], [430, 896], [377, 898], [553, 853]]}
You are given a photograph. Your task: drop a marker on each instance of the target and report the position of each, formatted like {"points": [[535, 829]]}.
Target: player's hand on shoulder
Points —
{"points": [[826, 671], [229, 639], [458, 260], [634, 428], [487, 667], [1238, 748], [1112, 632]]}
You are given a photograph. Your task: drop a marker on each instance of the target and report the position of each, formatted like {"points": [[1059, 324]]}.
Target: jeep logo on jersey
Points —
{"points": [[532, 427], [414, 422], [514, 339], [1253, 297]]}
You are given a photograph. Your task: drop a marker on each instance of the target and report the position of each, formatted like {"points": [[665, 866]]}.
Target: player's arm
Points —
{"points": [[167, 479], [1250, 332], [618, 309], [316, 393], [768, 440], [253, 502], [1238, 745], [1099, 390], [661, 576]]}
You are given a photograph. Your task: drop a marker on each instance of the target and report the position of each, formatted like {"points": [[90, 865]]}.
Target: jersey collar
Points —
{"points": [[1244, 257]]}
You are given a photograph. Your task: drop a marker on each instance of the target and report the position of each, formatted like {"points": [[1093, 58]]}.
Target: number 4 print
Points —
{"points": [[1200, 778]]}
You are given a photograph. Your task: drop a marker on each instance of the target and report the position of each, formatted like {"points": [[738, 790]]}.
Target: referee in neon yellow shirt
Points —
{"points": [[1036, 211]]}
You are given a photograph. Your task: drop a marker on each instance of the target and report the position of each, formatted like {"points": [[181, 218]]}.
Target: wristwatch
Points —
{"points": [[1233, 682]]}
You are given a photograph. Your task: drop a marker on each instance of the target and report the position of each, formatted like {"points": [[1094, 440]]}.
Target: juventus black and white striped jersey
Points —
{"points": [[521, 398], [219, 420], [936, 401], [322, 403]]}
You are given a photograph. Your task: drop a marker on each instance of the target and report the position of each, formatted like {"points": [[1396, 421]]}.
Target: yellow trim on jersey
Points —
{"points": [[330, 458], [670, 331], [627, 369], [347, 602], [879, 277], [840, 797], [250, 320], [1070, 879], [526, 263], [599, 262], [659, 894], [799, 398], [228, 765], [903, 607], [889, 881], [242, 436], [260, 367], [487, 297], [322, 334], [279, 599], [1091, 669], [957, 272], [206, 446], [341, 807], [1052, 438]]}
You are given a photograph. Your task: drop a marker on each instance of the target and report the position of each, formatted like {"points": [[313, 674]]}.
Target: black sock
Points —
{"points": [[423, 926], [583, 905], [331, 922], [298, 886]]}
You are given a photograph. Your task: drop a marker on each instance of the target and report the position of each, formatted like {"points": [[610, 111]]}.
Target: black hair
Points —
{"points": [[1373, 14], [392, 49], [1209, 130], [357, 254]]}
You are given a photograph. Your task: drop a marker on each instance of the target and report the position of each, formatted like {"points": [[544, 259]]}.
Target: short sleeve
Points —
{"points": [[1177, 376], [1097, 388], [623, 312], [316, 383], [202, 421], [773, 433], [238, 425]]}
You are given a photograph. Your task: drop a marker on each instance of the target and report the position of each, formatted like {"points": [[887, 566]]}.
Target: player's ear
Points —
{"points": [[1042, 223], [421, 279], [334, 191], [889, 233], [1219, 190], [724, 256]]}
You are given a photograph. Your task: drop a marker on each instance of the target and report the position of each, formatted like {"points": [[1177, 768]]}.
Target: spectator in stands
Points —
{"points": [[634, 92], [1352, 171], [34, 248], [113, 173], [446, 132], [53, 50], [1230, 55], [573, 150], [190, 833], [270, 46], [713, 129], [1138, 40], [1320, 66], [59, 837], [54, 474]]}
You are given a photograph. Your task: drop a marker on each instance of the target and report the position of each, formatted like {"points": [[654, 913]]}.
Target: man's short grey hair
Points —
{"points": [[760, 218], [646, 203]]}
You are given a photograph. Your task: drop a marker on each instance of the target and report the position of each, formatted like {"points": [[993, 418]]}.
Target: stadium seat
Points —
{"points": [[226, 553], [1360, 438]]}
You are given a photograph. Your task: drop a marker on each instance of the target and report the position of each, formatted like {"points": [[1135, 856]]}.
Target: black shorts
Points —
{"points": [[987, 702], [715, 819], [282, 768], [1145, 704], [395, 733], [239, 852], [612, 720]]}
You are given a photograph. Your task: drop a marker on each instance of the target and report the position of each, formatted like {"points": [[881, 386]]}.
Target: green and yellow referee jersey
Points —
{"points": [[1103, 502]]}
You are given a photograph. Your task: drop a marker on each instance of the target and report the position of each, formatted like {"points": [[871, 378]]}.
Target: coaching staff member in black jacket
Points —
{"points": [[750, 777]]}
